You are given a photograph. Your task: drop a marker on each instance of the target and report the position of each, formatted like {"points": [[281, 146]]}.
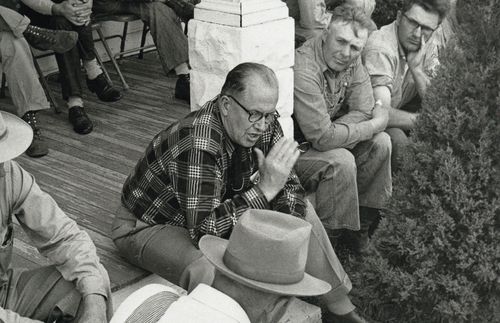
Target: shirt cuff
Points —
{"points": [[92, 285], [255, 198]]}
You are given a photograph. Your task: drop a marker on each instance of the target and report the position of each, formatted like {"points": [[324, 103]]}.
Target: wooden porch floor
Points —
{"points": [[84, 174]]}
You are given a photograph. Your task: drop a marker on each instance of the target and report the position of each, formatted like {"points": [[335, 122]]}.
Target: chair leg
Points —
{"points": [[145, 30], [124, 38], [45, 86], [2, 89], [104, 70], [112, 57]]}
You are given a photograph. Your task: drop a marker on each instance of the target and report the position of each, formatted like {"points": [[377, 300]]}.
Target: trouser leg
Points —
{"points": [[37, 293], [332, 175], [373, 162], [17, 64], [85, 43], [322, 263], [167, 34], [12, 21], [164, 25], [399, 141], [69, 62], [165, 250]]}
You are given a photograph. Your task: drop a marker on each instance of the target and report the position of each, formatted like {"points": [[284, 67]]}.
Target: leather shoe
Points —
{"points": [[103, 89], [38, 147], [351, 317], [182, 88], [80, 120], [60, 41]]}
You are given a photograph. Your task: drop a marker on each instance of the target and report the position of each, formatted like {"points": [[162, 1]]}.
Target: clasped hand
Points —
{"points": [[76, 11]]}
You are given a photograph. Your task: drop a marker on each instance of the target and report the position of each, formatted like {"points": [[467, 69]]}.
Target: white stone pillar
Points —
{"points": [[225, 33]]}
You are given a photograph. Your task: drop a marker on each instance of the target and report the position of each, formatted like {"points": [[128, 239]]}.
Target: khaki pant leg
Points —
{"points": [[322, 263]]}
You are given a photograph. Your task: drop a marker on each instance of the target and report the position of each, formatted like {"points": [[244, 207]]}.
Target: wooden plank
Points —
{"points": [[85, 174]]}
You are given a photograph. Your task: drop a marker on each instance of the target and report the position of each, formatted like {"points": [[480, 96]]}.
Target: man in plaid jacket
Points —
{"points": [[200, 174]]}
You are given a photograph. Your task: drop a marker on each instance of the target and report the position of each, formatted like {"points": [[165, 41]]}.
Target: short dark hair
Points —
{"points": [[237, 79], [354, 15], [441, 7]]}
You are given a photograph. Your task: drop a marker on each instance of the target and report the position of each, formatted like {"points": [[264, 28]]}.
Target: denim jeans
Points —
{"points": [[346, 179], [17, 64], [163, 23], [168, 251], [69, 62]]}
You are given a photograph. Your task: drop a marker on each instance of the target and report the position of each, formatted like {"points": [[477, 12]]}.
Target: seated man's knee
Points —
{"points": [[342, 161], [382, 143], [61, 23]]}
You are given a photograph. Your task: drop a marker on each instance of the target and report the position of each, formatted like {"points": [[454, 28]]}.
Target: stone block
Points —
{"points": [[217, 48], [238, 20]]}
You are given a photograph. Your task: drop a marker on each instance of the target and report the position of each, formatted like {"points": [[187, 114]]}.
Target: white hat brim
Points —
{"points": [[214, 248], [16, 140]]}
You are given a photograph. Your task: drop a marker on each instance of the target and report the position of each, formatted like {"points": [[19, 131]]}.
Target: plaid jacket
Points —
{"points": [[182, 179]]}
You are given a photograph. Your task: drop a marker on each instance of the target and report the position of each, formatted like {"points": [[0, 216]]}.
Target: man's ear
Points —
{"points": [[223, 105]]}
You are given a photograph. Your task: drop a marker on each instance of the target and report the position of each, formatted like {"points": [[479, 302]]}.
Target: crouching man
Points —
{"points": [[76, 286], [198, 176]]}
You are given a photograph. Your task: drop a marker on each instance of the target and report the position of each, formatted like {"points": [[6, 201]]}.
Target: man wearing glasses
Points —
{"points": [[199, 175], [400, 58]]}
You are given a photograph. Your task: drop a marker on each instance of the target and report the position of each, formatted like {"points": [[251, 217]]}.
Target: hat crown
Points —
{"points": [[269, 247]]}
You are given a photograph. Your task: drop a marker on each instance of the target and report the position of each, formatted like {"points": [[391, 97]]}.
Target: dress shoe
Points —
{"points": [[38, 147], [182, 88], [60, 41], [103, 89], [80, 120]]}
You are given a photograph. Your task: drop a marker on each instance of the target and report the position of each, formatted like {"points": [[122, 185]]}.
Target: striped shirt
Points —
{"points": [[183, 178]]}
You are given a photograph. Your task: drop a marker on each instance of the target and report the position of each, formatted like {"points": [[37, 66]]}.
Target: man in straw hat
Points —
{"points": [[253, 281], [76, 285], [198, 176]]}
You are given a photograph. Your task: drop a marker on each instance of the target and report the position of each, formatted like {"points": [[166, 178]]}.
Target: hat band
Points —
{"points": [[248, 270]]}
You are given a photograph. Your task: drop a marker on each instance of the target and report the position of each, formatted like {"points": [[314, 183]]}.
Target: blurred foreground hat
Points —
{"points": [[267, 250], [15, 136]]}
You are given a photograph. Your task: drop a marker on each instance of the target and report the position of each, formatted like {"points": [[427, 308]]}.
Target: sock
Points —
{"points": [[74, 101], [92, 68], [181, 69]]}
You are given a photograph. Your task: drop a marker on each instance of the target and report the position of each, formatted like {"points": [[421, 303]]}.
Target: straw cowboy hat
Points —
{"points": [[15, 136], [267, 250]]}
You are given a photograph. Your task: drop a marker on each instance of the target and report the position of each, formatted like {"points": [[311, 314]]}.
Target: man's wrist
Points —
{"points": [[55, 9]]}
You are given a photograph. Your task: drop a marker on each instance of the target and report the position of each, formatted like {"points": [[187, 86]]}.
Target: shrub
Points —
{"points": [[386, 11], [439, 242]]}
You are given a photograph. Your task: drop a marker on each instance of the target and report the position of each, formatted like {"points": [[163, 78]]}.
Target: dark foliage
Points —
{"points": [[439, 242]]}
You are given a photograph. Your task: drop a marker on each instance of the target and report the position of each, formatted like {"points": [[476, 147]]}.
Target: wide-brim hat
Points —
{"points": [[15, 136], [267, 250]]}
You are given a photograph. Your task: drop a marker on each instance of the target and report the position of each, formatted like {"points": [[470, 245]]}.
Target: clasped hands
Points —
{"points": [[76, 11]]}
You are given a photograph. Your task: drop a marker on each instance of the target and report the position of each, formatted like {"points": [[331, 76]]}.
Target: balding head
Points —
{"points": [[249, 76]]}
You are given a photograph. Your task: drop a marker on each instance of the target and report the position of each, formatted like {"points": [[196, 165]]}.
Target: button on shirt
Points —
{"points": [[329, 106], [54, 234], [183, 180]]}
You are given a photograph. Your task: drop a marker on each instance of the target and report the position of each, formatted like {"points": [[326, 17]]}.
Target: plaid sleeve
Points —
{"points": [[197, 179], [290, 199]]}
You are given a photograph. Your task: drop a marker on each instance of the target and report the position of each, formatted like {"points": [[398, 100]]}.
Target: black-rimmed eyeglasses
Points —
{"points": [[415, 24], [254, 116]]}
